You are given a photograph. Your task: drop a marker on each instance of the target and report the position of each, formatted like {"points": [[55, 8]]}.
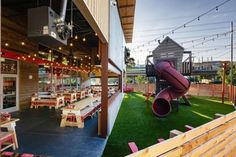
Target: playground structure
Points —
{"points": [[169, 67]]}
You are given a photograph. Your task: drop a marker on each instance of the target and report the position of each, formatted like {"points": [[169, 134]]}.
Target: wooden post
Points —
{"points": [[120, 82], [213, 90], [231, 61], [103, 50], [198, 88], [223, 83]]}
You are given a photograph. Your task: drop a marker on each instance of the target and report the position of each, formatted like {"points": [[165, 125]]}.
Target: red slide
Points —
{"points": [[179, 85]]}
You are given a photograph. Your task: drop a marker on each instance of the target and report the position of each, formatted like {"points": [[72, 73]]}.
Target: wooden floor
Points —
{"points": [[39, 132]]}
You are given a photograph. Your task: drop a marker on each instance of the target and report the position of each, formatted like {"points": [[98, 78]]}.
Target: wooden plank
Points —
{"points": [[175, 152], [228, 148], [97, 18], [177, 141], [188, 146], [217, 147], [232, 152], [204, 147], [14, 26]]}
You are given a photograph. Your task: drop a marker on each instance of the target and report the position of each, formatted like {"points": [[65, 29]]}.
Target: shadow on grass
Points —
{"points": [[136, 122]]}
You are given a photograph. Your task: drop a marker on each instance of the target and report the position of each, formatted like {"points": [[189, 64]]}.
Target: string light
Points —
{"points": [[59, 48], [84, 39], [71, 44], [6, 44], [76, 37], [22, 43], [96, 34], [190, 21], [50, 51]]}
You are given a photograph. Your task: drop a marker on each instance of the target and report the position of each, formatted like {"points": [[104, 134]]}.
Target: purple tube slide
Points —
{"points": [[179, 85]]}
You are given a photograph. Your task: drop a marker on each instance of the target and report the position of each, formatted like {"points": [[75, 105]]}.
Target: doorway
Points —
{"points": [[9, 100]]}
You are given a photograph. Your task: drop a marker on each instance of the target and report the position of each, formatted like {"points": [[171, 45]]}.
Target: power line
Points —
{"points": [[182, 17], [188, 26], [190, 21], [204, 40]]}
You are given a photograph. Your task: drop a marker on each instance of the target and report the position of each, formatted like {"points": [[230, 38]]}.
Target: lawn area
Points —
{"points": [[136, 122]]}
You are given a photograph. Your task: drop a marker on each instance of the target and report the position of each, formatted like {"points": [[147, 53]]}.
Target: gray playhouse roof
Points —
{"points": [[169, 41]]}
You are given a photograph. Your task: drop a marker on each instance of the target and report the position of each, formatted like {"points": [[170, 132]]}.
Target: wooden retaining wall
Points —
{"points": [[216, 138]]}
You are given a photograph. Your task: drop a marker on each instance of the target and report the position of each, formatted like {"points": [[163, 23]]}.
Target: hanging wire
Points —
{"points": [[188, 22]]}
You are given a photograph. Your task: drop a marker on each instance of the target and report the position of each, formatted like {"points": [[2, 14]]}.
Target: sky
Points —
{"points": [[153, 18]]}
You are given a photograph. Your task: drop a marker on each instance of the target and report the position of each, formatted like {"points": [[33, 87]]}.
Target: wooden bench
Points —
{"points": [[159, 140], [133, 147], [188, 127], [70, 97], [215, 138], [7, 137], [174, 133], [218, 115]]}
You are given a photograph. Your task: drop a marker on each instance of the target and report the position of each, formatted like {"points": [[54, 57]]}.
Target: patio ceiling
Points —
{"points": [[127, 10]]}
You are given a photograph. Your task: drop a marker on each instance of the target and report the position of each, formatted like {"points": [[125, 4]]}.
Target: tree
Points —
{"points": [[129, 61], [228, 77], [227, 74]]}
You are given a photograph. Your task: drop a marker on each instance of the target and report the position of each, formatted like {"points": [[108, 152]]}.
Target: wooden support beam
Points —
{"points": [[103, 48]]}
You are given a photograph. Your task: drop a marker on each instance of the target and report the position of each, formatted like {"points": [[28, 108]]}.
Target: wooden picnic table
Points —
{"points": [[74, 114], [49, 101], [70, 96], [80, 94]]}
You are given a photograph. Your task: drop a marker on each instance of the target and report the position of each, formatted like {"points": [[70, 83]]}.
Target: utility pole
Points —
{"points": [[231, 62]]}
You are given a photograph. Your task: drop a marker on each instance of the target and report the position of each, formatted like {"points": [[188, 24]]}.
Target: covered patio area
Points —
{"points": [[42, 134]]}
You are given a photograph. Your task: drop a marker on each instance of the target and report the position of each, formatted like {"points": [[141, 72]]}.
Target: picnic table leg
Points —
{"points": [[12, 129], [63, 121], [80, 122]]}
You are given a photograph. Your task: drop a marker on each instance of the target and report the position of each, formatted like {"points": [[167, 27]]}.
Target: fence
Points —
{"points": [[216, 138], [214, 90]]}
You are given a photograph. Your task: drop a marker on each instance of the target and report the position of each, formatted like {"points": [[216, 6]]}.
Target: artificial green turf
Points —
{"points": [[136, 122]]}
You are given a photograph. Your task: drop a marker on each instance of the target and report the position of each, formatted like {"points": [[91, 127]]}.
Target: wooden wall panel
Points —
{"points": [[97, 14], [27, 86], [13, 33]]}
